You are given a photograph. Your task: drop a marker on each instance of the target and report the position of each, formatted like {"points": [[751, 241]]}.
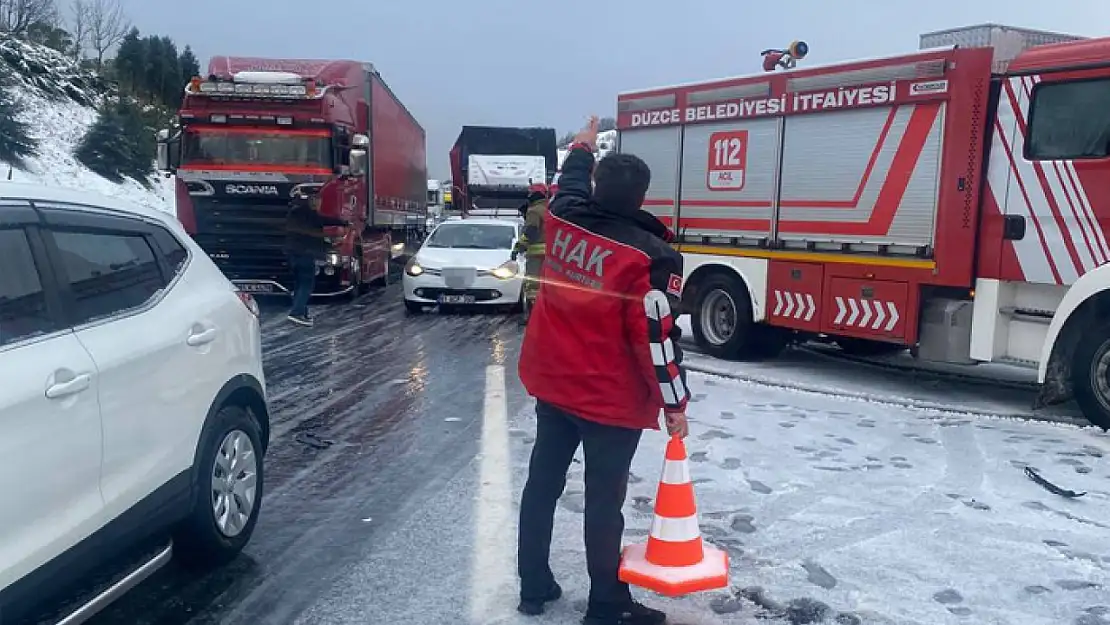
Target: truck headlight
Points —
{"points": [[333, 259], [509, 270], [413, 268]]}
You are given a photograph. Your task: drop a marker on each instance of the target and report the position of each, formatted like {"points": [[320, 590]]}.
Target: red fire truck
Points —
{"points": [[257, 132], [924, 201]]}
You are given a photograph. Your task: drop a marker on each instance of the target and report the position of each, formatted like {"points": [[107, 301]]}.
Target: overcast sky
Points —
{"points": [[536, 63]]}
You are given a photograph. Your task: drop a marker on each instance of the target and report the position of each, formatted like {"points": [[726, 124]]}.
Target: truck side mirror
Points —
{"points": [[359, 161], [169, 155], [360, 155]]}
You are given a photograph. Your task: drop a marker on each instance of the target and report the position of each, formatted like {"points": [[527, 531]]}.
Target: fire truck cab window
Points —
{"points": [[1070, 120], [219, 146]]}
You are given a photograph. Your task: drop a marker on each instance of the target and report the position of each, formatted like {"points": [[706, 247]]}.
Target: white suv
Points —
{"points": [[132, 401]]}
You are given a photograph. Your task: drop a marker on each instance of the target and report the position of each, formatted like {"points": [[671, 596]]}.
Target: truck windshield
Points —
{"points": [[473, 236], [278, 149]]}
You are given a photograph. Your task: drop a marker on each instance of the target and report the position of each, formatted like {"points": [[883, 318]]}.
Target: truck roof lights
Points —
{"points": [[304, 90]]}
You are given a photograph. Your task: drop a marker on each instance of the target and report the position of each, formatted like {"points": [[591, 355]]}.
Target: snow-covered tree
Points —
{"points": [[16, 142], [118, 144]]}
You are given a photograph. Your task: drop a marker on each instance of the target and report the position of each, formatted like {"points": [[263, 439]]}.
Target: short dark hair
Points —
{"points": [[621, 181]]}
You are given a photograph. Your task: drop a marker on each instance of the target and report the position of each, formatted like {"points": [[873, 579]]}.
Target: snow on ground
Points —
{"points": [[59, 126], [917, 386], [866, 512]]}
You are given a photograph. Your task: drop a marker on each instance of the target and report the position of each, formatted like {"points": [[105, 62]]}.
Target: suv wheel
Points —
{"points": [[228, 493]]}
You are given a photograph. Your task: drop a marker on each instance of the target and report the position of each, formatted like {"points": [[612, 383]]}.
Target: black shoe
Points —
{"points": [[303, 320], [634, 614], [535, 607]]}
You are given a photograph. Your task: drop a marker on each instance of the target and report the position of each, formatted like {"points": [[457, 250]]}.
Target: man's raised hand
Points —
{"points": [[588, 135]]}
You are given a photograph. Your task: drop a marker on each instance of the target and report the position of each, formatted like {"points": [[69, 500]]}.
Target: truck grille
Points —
{"points": [[245, 240]]}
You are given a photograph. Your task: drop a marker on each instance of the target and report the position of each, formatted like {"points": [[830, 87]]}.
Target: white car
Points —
{"points": [[466, 262], [133, 407]]}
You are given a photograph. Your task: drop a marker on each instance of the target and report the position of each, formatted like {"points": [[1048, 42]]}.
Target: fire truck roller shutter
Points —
{"points": [[659, 148], [867, 176], [728, 179]]}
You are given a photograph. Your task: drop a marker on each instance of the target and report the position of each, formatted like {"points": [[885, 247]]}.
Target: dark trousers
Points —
{"points": [[304, 281], [609, 451]]}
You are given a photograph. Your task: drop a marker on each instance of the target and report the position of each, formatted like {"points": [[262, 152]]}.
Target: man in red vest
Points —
{"points": [[601, 357]]}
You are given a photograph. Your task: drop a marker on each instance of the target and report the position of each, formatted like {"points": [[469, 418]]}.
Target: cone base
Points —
{"points": [[674, 581]]}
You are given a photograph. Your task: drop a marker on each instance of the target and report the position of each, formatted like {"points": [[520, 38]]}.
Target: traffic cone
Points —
{"points": [[675, 561]]}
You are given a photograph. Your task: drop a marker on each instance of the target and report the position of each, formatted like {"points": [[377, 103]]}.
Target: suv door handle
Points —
{"points": [[72, 387], [201, 338]]}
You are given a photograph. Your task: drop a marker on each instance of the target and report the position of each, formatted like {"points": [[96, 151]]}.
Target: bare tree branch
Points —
{"points": [[79, 27], [107, 26], [17, 15]]}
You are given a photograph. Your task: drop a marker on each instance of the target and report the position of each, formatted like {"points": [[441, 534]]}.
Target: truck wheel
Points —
{"points": [[1090, 376], [723, 326], [227, 494], [865, 347]]}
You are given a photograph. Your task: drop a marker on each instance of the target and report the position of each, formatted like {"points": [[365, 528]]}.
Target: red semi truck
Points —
{"points": [[256, 132], [955, 201]]}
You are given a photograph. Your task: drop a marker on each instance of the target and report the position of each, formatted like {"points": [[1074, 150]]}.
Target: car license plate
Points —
{"points": [[256, 288], [456, 299]]}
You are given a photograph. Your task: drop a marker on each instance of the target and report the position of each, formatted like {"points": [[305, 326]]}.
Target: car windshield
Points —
{"points": [[300, 149], [473, 236]]}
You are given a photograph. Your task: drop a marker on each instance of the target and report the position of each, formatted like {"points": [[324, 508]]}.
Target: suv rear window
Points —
{"points": [[23, 311], [171, 249], [108, 273]]}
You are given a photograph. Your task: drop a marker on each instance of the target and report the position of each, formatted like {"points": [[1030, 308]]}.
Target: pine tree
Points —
{"points": [[16, 142], [141, 144], [169, 92], [130, 60], [190, 66], [154, 68], [105, 148]]}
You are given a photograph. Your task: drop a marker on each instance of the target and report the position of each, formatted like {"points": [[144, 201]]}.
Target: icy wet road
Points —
{"points": [[400, 445], [374, 414]]}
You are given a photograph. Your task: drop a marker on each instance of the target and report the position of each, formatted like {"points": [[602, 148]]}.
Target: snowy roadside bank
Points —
{"points": [[868, 512]]}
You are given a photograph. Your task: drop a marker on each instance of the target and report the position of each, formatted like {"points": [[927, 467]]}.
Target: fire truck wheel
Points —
{"points": [[1090, 376], [722, 320]]}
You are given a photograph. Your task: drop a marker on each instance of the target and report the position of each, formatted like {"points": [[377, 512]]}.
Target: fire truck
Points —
{"points": [[954, 201], [257, 132]]}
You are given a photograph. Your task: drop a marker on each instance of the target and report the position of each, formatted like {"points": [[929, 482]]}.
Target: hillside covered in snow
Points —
{"points": [[59, 101]]}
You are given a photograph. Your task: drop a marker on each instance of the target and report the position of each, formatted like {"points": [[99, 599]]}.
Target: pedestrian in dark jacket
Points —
{"points": [[305, 243], [601, 357]]}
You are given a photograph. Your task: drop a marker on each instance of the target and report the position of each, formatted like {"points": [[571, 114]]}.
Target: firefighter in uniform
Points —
{"points": [[531, 242]]}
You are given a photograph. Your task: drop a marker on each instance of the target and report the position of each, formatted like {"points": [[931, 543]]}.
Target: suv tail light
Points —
{"points": [[249, 302]]}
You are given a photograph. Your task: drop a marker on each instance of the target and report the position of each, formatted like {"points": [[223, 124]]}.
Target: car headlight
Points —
{"points": [[398, 247], [413, 268], [506, 271]]}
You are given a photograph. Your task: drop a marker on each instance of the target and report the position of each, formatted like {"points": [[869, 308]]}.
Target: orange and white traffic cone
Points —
{"points": [[675, 561]]}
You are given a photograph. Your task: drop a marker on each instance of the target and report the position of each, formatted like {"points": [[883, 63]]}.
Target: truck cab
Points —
{"points": [[257, 133]]}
